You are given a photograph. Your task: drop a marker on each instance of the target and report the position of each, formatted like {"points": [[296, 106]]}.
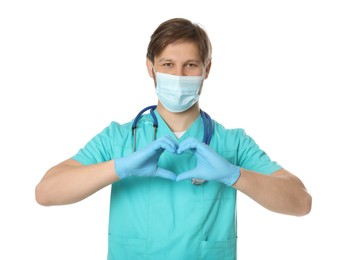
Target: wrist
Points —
{"points": [[235, 173], [120, 168]]}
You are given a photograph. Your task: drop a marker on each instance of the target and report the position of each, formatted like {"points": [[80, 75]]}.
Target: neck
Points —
{"points": [[178, 122]]}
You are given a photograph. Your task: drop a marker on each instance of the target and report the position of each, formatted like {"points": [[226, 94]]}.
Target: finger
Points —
{"points": [[188, 144], [166, 174], [166, 143], [187, 175]]}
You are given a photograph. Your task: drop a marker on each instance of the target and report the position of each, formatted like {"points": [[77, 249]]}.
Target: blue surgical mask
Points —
{"points": [[178, 93]]}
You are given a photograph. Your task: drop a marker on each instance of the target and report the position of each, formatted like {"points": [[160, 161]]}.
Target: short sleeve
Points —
{"points": [[251, 157], [98, 149]]}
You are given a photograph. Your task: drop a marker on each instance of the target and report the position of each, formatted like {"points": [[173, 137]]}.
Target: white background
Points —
{"points": [[68, 68]]}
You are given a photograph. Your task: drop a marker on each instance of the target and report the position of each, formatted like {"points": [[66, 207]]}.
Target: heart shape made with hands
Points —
{"points": [[210, 165]]}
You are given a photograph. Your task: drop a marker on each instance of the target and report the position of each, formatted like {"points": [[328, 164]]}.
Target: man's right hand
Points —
{"points": [[144, 162]]}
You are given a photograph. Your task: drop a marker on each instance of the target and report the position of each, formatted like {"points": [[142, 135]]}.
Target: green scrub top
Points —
{"points": [[155, 218]]}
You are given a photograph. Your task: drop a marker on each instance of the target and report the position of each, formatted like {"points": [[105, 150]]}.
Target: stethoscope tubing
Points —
{"points": [[208, 124], [208, 130]]}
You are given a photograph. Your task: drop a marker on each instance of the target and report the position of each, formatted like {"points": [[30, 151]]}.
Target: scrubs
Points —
{"points": [[155, 218]]}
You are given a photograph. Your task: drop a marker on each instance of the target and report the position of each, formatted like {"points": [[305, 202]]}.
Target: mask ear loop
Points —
{"points": [[203, 73], [154, 72]]}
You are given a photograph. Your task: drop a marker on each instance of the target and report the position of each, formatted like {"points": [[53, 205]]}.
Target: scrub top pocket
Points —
{"points": [[221, 250], [126, 248]]}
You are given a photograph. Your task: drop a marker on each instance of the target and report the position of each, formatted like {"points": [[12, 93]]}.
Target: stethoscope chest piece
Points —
{"points": [[198, 182]]}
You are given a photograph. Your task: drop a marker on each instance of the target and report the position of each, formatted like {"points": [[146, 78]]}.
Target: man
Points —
{"points": [[174, 172]]}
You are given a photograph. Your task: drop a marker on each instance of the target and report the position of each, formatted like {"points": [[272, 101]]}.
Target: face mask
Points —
{"points": [[178, 93]]}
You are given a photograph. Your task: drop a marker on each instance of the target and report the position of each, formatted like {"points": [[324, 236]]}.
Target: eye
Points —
{"points": [[192, 65], [167, 64]]}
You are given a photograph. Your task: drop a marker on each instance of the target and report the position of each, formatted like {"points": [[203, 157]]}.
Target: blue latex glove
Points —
{"points": [[210, 165], [144, 162]]}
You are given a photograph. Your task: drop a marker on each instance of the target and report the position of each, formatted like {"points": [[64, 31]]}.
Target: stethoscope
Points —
{"points": [[208, 130]]}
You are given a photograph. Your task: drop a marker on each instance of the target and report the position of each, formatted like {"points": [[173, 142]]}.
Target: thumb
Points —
{"points": [[186, 175], [166, 174]]}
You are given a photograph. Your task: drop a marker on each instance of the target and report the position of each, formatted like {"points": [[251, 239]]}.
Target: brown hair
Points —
{"points": [[179, 29]]}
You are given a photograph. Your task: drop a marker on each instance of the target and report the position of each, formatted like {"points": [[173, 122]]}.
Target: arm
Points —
{"points": [[70, 182], [280, 192]]}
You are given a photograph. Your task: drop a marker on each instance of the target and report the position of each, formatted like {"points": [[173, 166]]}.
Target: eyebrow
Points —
{"points": [[171, 60], [192, 60], [163, 59]]}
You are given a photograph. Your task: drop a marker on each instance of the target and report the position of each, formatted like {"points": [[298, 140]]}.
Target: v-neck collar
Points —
{"points": [[196, 129]]}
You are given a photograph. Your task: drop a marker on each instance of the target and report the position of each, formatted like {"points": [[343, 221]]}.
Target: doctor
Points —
{"points": [[174, 173]]}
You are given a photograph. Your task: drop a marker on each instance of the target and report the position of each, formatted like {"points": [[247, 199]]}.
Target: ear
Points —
{"points": [[207, 70], [149, 65]]}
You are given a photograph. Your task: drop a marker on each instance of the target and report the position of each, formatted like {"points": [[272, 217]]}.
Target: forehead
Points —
{"points": [[180, 51]]}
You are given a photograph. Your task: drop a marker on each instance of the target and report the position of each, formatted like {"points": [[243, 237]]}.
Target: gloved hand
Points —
{"points": [[210, 165], [144, 162]]}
